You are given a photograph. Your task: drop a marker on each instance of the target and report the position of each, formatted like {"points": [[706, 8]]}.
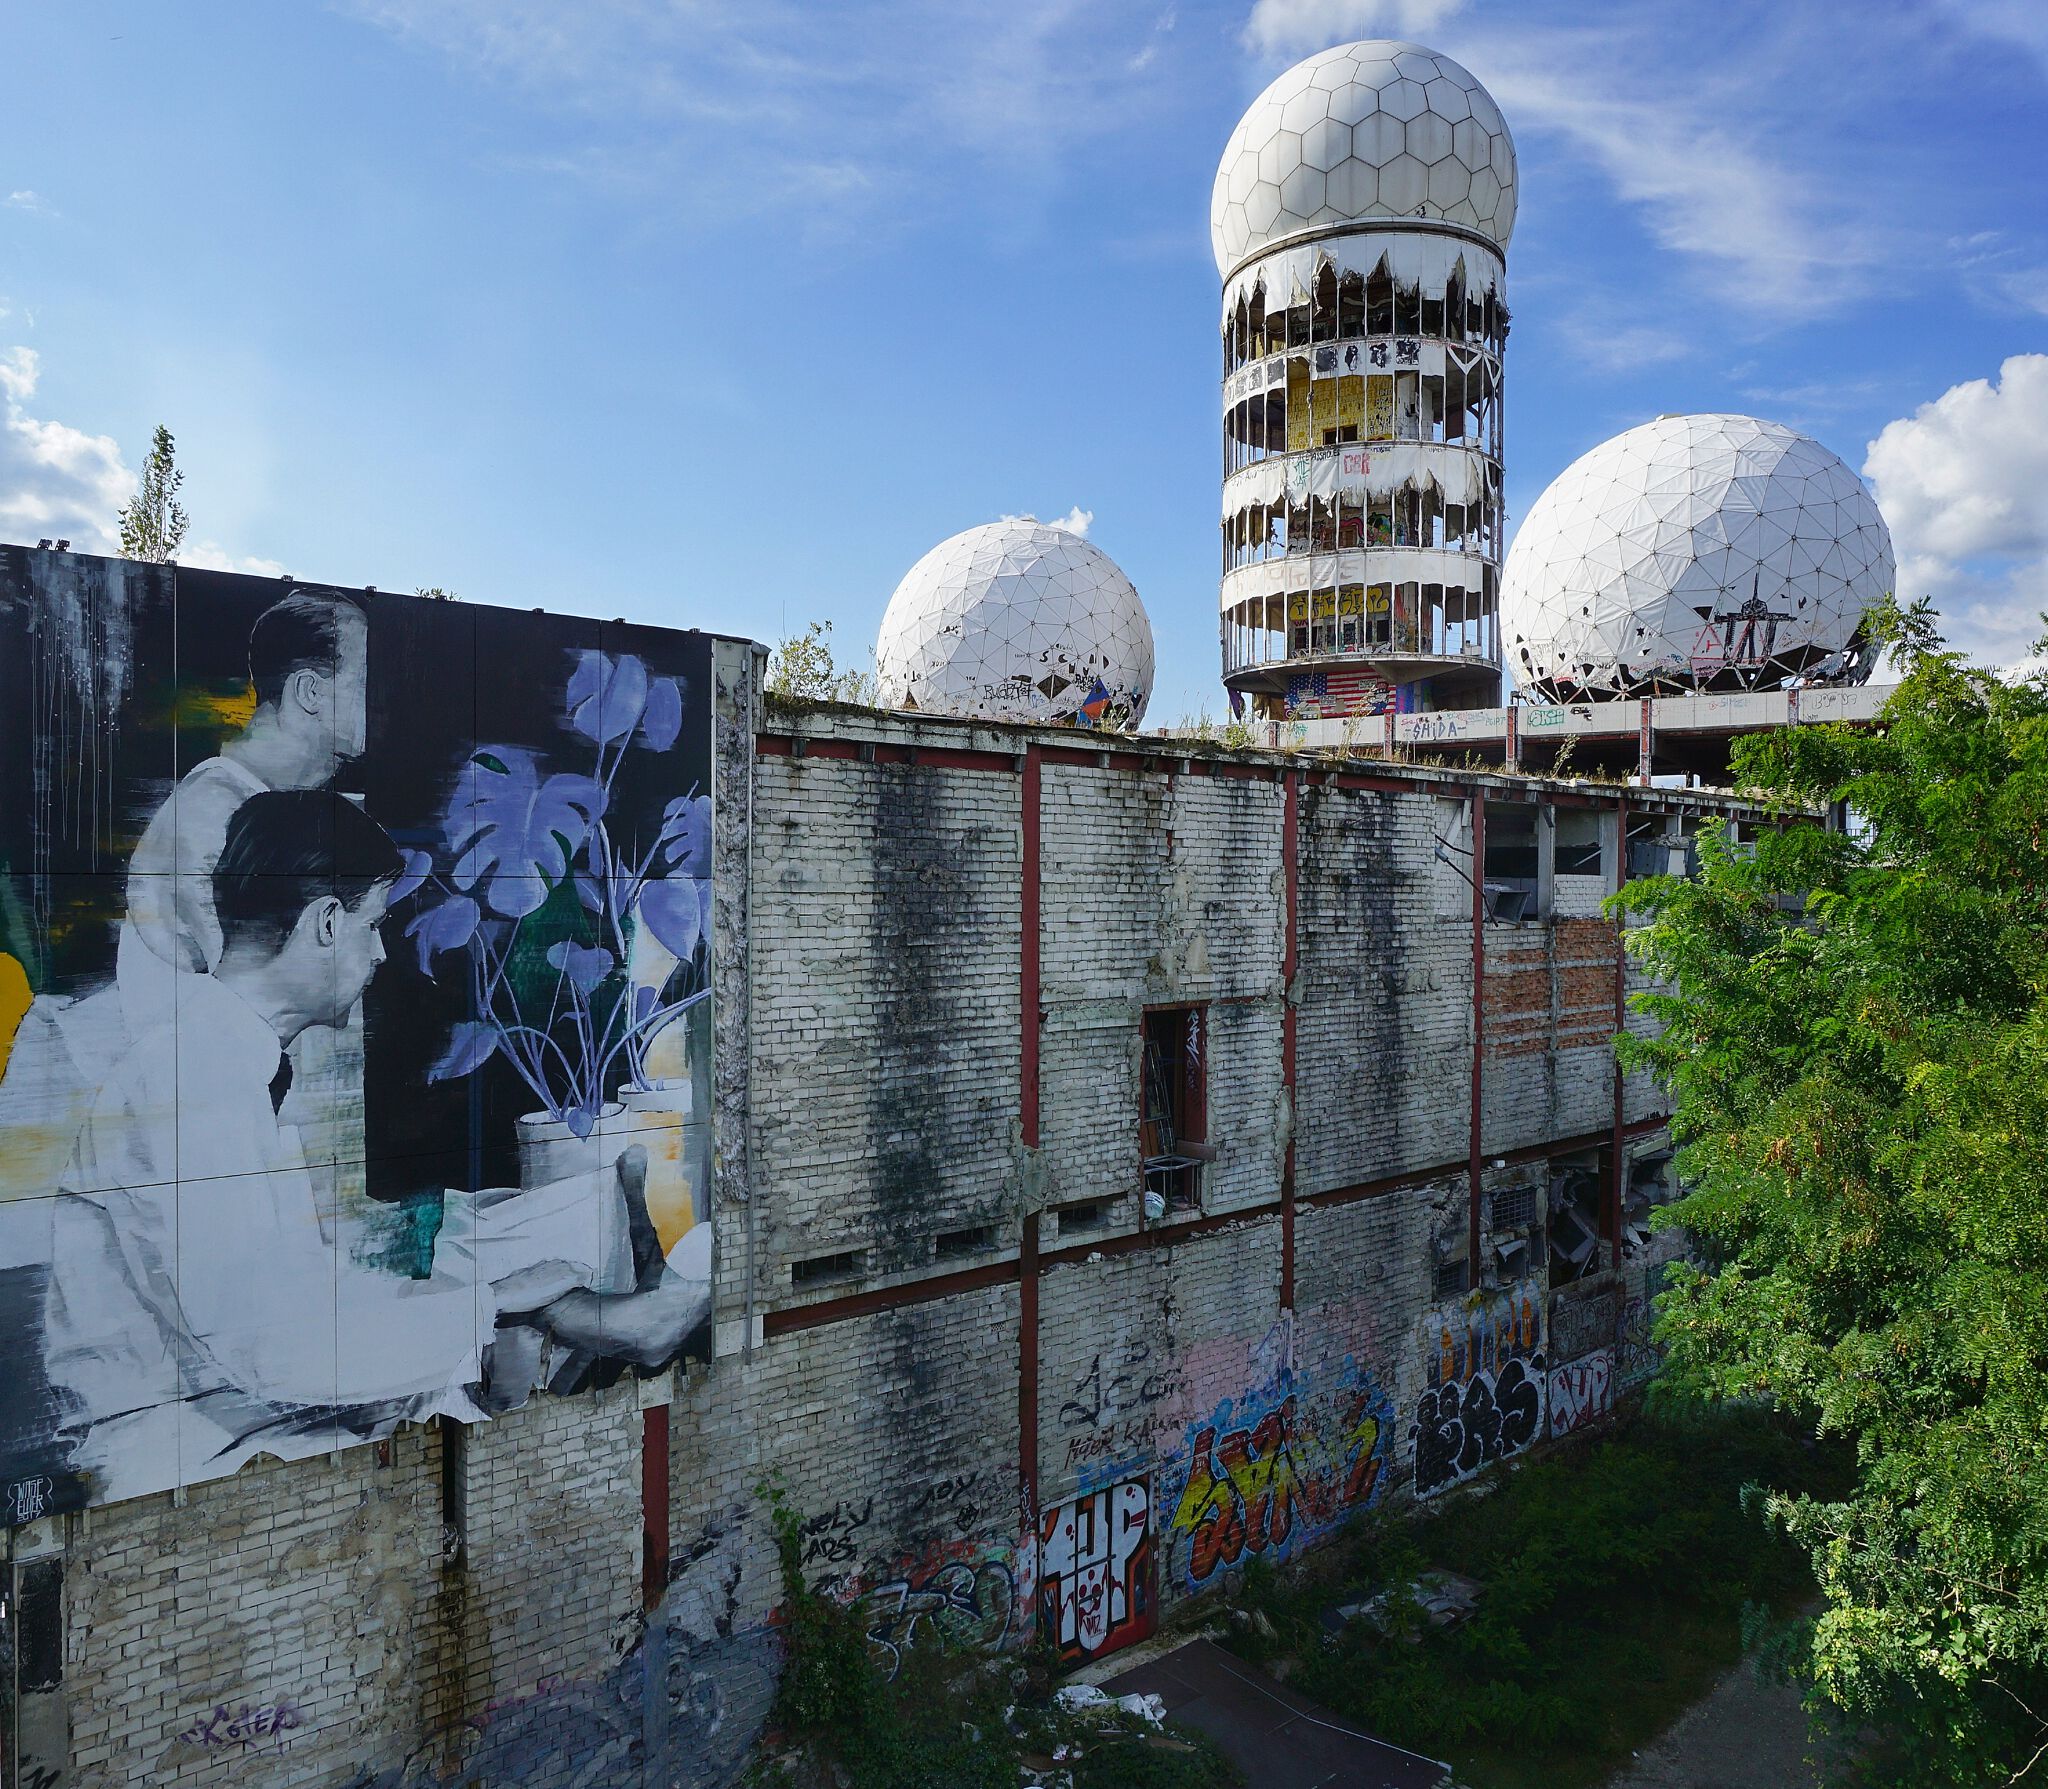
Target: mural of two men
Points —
{"points": [[243, 1158]]}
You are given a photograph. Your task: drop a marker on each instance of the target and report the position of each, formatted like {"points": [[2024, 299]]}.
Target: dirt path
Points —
{"points": [[1742, 1735]]}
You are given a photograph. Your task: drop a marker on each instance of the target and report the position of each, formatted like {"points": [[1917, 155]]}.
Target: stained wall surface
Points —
{"points": [[999, 1392]]}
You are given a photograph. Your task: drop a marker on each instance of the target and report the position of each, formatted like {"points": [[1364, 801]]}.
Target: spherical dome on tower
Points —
{"points": [[1380, 129], [1017, 621], [1693, 552]]}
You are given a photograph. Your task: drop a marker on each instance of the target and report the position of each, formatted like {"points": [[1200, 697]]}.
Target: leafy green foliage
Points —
{"points": [[802, 668], [1625, 1563], [152, 522], [950, 1719], [1855, 1033]]}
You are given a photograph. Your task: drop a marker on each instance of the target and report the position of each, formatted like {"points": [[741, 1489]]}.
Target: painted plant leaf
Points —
{"points": [[686, 834], [586, 966], [449, 925], [673, 908], [607, 695], [418, 867], [470, 1045], [663, 721], [513, 831]]}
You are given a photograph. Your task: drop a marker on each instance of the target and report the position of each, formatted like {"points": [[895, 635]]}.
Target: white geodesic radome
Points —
{"points": [[1017, 621], [1694, 552], [1375, 130]]}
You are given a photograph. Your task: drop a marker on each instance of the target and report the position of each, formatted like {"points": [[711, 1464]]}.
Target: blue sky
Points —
{"points": [[720, 314]]}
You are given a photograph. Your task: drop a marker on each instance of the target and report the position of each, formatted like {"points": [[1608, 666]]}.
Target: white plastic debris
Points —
{"points": [[1146, 1708], [1076, 1696]]}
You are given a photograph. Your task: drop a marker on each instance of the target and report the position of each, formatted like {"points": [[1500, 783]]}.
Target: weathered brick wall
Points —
{"points": [[868, 1098], [1385, 992], [886, 906]]}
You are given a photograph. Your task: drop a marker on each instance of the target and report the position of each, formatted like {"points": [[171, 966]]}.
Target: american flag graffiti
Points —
{"points": [[1314, 695]]}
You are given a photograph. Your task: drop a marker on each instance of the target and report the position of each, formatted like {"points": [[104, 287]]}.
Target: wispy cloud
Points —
{"points": [[55, 480], [26, 199], [1611, 344], [1282, 27], [742, 107], [1960, 482], [1705, 120]]}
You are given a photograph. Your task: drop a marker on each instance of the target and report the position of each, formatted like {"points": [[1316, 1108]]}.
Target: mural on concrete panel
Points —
{"points": [[263, 1190], [1095, 1574], [1484, 1371]]}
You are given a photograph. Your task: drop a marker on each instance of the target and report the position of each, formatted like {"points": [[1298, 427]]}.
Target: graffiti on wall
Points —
{"points": [[263, 1726], [263, 1190], [1581, 1391], [1115, 1408], [1485, 1377], [1274, 1471], [1580, 1323], [1637, 1355], [1095, 1572], [957, 1594]]}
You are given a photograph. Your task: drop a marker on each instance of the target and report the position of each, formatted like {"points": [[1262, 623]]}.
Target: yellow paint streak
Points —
{"points": [[198, 706], [15, 995]]}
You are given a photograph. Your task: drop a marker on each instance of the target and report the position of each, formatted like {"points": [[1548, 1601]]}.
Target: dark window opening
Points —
{"points": [[1649, 849], [1579, 851], [1451, 1278], [1515, 1208], [1577, 1199], [976, 1240], [1078, 1219], [846, 1265], [1173, 1123], [1510, 871]]}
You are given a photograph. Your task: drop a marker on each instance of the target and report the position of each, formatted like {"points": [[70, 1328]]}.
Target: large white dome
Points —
{"points": [[1380, 129], [1017, 621], [1692, 552]]}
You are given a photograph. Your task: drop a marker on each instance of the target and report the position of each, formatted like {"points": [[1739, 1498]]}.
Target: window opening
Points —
{"points": [[846, 1265], [1580, 845], [1511, 872], [977, 1239], [1173, 1121]]}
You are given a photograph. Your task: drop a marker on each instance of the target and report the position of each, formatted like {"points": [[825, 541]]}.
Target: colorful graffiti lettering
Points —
{"points": [[1095, 1589], [1486, 1393], [1283, 1476], [1581, 1391], [962, 1602]]}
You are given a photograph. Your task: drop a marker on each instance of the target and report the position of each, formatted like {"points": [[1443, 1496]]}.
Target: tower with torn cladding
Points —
{"points": [[1360, 219]]}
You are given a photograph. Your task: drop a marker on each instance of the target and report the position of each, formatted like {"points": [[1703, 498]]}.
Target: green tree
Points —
{"points": [[802, 667], [1855, 1035], [153, 520]]}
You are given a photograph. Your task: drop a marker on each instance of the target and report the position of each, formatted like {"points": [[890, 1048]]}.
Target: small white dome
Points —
{"points": [[1017, 621], [1379, 129], [1692, 552]]}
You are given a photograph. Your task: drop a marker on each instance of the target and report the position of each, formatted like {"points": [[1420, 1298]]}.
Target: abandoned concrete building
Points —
{"points": [[1132, 1158]]}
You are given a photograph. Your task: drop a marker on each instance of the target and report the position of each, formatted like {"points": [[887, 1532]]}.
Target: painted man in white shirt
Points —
{"points": [[197, 1312], [309, 671]]}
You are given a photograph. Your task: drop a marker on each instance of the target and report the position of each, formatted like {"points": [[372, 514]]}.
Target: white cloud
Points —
{"points": [[1963, 483], [210, 555], [55, 481], [1604, 342], [1076, 521], [1715, 137], [23, 199], [751, 106], [1280, 27]]}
